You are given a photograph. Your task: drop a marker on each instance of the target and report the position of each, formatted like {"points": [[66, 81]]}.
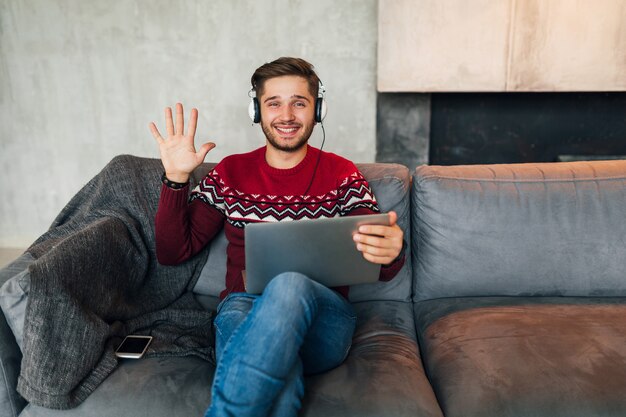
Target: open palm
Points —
{"points": [[178, 152]]}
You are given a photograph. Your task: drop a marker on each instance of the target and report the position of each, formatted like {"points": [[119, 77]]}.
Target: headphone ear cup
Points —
{"points": [[320, 109], [254, 110]]}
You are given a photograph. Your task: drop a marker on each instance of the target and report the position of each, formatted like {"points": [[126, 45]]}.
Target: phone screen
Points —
{"points": [[133, 346]]}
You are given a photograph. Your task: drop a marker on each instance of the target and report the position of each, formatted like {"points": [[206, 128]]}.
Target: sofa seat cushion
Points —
{"points": [[156, 387], [382, 376], [525, 356]]}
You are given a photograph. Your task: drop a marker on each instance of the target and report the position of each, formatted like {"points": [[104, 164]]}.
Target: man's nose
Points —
{"points": [[287, 113]]}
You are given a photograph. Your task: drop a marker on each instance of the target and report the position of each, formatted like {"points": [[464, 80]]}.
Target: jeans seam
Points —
{"points": [[219, 369], [217, 329]]}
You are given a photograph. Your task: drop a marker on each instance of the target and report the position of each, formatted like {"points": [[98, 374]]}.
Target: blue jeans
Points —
{"points": [[266, 344]]}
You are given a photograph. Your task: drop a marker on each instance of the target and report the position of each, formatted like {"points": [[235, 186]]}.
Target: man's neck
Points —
{"points": [[284, 160]]}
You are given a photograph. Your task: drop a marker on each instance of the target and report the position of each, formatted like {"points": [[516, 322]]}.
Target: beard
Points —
{"points": [[294, 145]]}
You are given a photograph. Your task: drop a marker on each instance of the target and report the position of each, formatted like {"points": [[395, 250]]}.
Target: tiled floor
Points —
{"points": [[9, 254]]}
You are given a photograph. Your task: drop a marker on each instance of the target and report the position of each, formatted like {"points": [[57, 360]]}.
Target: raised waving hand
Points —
{"points": [[178, 151]]}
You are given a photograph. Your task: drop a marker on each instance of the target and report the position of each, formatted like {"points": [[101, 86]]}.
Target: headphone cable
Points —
{"points": [[318, 159]]}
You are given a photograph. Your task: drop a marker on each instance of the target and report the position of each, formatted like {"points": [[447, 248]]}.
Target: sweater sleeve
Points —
{"points": [[183, 229], [387, 272], [356, 196]]}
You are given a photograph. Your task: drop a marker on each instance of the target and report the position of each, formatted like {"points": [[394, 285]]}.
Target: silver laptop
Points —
{"points": [[321, 249]]}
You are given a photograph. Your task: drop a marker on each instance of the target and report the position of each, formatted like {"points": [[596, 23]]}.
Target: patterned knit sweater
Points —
{"points": [[244, 189]]}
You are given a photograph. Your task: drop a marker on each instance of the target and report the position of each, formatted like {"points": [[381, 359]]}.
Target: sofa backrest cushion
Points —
{"points": [[390, 184], [546, 229]]}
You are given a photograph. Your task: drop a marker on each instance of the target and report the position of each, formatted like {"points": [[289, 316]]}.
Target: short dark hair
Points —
{"points": [[285, 66]]}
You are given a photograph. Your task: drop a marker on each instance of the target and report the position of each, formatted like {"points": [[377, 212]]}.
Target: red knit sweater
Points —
{"points": [[243, 189]]}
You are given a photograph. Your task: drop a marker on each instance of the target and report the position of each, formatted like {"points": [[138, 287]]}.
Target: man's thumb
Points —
{"points": [[204, 149]]}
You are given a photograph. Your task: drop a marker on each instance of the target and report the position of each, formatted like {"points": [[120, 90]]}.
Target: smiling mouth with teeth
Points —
{"points": [[287, 130]]}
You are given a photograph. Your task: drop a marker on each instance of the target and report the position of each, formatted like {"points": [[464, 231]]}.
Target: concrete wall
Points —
{"points": [[81, 80]]}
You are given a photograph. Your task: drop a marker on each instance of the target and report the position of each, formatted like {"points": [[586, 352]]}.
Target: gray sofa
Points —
{"points": [[511, 303]]}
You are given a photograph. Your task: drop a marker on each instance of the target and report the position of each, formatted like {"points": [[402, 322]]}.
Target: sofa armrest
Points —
{"points": [[11, 403], [383, 373]]}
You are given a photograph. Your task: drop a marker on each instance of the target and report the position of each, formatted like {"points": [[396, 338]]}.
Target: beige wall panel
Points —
{"points": [[443, 45], [568, 45], [502, 45]]}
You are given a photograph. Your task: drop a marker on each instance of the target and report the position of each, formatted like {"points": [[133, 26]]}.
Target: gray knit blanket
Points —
{"points": [[96, 279]]}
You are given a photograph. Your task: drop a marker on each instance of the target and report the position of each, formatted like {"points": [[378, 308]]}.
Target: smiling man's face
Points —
{"points": [[287, 112]]}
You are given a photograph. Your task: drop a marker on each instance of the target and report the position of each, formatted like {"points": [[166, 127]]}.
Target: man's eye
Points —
{"points": [[299, 104], [272, 104]]}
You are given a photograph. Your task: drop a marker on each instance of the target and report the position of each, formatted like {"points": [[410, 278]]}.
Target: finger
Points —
{"points": [[204, 150], [381, 260], [180, 120], [169, 124], [389, 239], [375, 250], [193, 122], [377, 230], [370, 240], [155, 132]]}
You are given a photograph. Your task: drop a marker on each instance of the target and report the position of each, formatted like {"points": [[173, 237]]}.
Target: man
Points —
{"points": [[266, 344]]}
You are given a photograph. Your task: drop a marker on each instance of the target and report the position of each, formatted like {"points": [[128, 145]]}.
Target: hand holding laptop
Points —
{"points": [[380, 244]]}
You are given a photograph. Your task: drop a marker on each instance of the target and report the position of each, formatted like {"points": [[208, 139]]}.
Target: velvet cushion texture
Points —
{"points": [[518, 357], [158, 387], [519, 283], [382, 376], [520, 229]]}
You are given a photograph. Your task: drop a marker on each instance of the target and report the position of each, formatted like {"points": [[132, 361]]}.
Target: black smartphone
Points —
{"points": [[133, 346]]}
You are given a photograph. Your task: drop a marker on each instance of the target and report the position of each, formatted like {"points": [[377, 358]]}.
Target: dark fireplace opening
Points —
{"points": [[488, 128], [526, 127]]}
